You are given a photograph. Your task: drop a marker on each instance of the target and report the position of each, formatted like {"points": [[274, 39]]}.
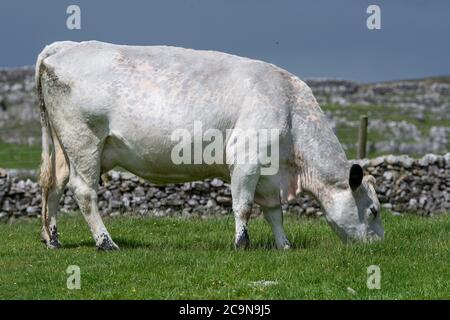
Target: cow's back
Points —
{"points": [[193, 80]]}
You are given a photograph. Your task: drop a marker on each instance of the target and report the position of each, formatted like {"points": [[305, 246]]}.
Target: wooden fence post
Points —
{"points": [[362, 137]]}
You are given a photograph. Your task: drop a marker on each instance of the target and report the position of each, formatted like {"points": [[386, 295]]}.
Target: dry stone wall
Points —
{"points": [[404, 185]]}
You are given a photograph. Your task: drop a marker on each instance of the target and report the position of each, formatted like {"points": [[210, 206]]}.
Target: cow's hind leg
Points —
{"points": [[51, 197], [85, 191], [243, 184], [84, 150], [84, 185]]}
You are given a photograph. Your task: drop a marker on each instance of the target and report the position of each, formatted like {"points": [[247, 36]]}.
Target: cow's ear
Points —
{"points": [[356, 176]]}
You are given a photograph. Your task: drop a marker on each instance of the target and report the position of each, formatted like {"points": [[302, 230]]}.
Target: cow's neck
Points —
{"points": [[319, 157]]}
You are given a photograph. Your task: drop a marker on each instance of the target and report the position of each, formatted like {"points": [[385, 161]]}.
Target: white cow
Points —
{"points": [[105, 105]]}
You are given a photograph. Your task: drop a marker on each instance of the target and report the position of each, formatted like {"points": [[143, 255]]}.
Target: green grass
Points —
{"points": [[19, 156], [170, 258]]}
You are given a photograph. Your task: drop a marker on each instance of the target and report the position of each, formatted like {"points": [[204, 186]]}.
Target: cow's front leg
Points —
{"points": [[241, 216], [243, 185], [274, 217]]}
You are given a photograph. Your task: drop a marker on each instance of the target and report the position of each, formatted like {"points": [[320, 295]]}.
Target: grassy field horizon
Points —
{"points": [[176, 258]]}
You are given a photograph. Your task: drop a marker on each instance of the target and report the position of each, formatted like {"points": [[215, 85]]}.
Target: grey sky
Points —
{"points": [[315, 38]]}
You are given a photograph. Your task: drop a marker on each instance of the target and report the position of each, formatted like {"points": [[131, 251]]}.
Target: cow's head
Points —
{"points": [[353, 209]]}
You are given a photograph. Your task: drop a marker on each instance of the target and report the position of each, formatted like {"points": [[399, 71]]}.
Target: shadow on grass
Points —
{"points": [[75, 245], [121, 242], [260, 243], [125, 243], [299, 243]]}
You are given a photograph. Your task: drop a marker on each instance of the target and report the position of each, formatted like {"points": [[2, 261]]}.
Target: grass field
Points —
{"points": [[348, 134], [19, 156], [169, 258]]}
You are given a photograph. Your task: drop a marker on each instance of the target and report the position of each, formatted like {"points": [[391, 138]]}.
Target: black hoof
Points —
{"points": [[53, 242], [243, 241], [106, 244], [285, 245]]}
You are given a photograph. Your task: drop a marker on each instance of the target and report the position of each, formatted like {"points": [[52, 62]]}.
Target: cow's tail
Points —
{"points": [[47, 170]]}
